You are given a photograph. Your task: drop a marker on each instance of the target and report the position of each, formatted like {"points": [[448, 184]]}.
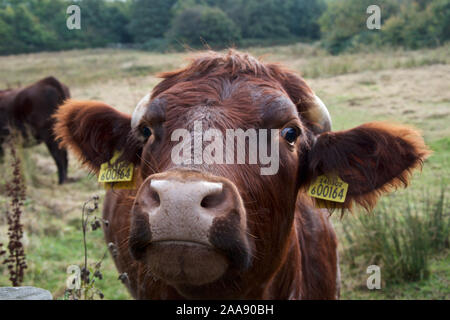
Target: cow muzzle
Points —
{"points": [[189, 227]]}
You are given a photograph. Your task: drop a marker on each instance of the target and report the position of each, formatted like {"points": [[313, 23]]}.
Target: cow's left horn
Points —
{"points": [[318, 115], [140, 110]]}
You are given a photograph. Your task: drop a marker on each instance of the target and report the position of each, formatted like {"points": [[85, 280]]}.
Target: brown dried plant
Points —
{"points": [[16, 191], [87, 289]]}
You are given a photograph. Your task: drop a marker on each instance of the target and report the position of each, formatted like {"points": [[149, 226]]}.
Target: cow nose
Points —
{"points": [[189, 227], [184, 210], [185, 207], [194, 221], [188, 196]]}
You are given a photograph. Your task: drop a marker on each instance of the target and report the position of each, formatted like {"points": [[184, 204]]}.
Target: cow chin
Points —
{"points": [[181, 263]]}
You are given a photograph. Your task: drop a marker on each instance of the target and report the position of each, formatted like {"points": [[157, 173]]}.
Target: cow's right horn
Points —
{"points": [[139, 111], [319, 116]]}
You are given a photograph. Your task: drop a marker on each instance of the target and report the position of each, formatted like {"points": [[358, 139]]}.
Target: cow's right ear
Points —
{"points": [[372, 159], [94, 131]]}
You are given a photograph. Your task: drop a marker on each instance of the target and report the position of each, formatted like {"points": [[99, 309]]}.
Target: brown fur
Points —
{"points": [[106, 127], [29, 111], [293, 244]]}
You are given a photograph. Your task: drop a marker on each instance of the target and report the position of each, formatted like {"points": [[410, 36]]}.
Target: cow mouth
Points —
{"points": [[185, 262]]}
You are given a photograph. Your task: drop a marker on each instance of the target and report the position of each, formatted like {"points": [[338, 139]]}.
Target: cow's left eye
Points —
{"points": [[290, 134], [146, 132]]}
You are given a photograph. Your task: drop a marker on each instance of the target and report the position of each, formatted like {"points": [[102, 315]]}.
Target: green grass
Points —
{"points": [[393, 85], [53, 233], [49, 257], [52, 249], [436, 287], [408, 238], [399, 237]]}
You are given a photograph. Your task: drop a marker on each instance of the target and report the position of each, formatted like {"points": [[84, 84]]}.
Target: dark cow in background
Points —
{"points": [[222, 231], [30, 111]]}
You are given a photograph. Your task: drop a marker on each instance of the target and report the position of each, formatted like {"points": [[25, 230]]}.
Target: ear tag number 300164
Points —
{"points": [[329, 188]]}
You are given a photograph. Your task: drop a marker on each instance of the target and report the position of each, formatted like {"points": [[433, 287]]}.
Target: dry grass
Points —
{"points": [[418, 96]]}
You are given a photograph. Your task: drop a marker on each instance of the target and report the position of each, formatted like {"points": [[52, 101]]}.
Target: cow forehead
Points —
{"points": [[240, 100]]}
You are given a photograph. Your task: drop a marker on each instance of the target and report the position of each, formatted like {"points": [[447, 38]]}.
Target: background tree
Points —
{"points": [[22, 29], [415, 26], [303, 16], [37, 25], [102, 23], [264, 19], [204, 25], [343, 24], [151, 19]]}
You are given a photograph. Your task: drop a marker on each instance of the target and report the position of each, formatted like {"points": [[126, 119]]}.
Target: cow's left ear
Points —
{"points": [[95, 131], [373, 158]]}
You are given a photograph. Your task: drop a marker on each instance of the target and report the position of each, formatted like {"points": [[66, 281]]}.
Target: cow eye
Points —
{"points": [[146, 132], [290, 134]]}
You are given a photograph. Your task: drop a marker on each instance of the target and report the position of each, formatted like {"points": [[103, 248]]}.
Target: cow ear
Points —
{"points": [[94, 131], [373, 159]]}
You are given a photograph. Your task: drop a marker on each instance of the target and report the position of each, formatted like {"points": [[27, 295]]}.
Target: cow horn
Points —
{"points": [[140, 110], [318, 115]]}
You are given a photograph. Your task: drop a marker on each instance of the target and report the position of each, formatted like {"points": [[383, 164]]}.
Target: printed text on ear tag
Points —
{"points": [[128, 185], [114, 171], [328, 188]]}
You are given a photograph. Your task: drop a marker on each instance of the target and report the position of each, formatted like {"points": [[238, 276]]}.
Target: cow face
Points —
{"points": [[201, 220], [199, 224]]}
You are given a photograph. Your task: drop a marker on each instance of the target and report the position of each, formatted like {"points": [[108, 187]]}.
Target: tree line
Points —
{"points": [[339, 25]]}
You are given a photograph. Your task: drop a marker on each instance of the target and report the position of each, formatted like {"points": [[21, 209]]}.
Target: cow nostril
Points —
{"points": [[155, 197], [212, 200]]}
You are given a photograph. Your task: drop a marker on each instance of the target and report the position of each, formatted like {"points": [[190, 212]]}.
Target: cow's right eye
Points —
{"points": [[146, 132], [290, 134]]}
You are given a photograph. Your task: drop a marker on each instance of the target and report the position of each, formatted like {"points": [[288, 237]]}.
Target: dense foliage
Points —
{"points": [[202, 24], [407, 23], [37, 25]]}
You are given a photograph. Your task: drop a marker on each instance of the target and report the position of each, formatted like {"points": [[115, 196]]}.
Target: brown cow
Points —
{"points": [[29, 111], [220, 231]]}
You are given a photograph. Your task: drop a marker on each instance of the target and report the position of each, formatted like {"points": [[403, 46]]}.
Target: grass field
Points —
{"points": [[411, 87]]}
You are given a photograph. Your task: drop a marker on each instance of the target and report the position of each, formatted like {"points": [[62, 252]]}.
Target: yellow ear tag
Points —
{"points": [[114, 172], [331, 189], [129, 185]]}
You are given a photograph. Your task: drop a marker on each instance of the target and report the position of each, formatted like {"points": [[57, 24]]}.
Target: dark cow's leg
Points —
{"points": [[60, 157]]}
